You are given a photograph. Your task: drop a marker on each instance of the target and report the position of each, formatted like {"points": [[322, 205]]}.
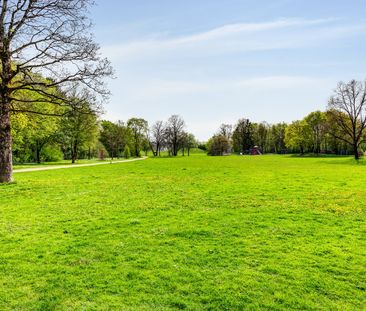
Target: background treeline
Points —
{"points": [[339, 130], [309, 135], [79, 134]]}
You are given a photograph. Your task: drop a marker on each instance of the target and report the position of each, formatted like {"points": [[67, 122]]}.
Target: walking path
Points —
{"points": [[57, 167]]}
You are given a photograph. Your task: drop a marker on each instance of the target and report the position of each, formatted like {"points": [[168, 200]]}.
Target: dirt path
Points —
{"points": [[57, 167]]}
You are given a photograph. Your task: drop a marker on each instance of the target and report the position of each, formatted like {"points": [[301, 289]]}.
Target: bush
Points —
{"points": [[218, 145], [51, 154], [126, 152]]}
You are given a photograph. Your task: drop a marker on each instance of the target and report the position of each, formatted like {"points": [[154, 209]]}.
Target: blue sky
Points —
{"points": [[214, 61]]}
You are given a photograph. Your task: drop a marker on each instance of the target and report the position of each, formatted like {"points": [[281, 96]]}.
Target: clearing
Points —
{"points": [[199, 232]]}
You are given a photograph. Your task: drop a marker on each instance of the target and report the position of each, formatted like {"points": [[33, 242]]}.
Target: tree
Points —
{"points": [[157, 137], [277, 138], [126, 152], [79, 127], [43, 37], [218, 145], [191, 142], [348, 109], [243, 136], [317, 123], [173, 133], [261, 135], [109, 137], [138, 129], [298, 136], [226, 130]]}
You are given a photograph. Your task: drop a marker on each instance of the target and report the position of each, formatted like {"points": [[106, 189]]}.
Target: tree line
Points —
{"points": [[80, 134], [338, 130]]}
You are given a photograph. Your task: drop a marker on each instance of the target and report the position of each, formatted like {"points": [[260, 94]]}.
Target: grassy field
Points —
{"points": [[219, 233]]}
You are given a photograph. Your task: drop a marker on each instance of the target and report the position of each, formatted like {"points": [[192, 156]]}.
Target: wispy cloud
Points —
{"points": [[278, 34]]}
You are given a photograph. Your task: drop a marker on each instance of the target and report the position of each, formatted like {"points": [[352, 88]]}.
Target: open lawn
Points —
{"points": [[199, 232]]}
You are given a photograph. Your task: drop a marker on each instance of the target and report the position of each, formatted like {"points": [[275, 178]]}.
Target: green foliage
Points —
{"points": [[78, 130], [243, 136], [218, 145], [138, 128], [51, 153], [201, 233], [114, 137], [298, 136], [127, 152]]}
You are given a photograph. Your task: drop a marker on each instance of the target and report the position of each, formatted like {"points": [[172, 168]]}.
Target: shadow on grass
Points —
{"points": [[319, 156], [332, 159]]}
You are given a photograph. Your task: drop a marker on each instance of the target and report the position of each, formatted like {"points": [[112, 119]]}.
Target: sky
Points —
{"points": [[215, 61]]}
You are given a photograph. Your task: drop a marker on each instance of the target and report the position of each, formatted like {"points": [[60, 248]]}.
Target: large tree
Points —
{"points": [[348, 110], [49, 38]]}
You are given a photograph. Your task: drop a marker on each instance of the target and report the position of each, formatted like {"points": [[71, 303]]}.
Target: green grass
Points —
{"points": [[218, 233]]}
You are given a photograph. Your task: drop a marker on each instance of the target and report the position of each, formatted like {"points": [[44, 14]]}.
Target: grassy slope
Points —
{"points": [[200, 232]]}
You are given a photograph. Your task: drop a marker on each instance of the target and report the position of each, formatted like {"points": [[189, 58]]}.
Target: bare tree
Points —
{"points": [[226, 130], [348, 110], [173, 132], [157, 137], [44, 38]]}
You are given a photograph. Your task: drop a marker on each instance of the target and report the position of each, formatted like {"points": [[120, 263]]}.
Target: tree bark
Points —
{"points": [[355, 151], [74, 152], [6, 161], [38, 154]]}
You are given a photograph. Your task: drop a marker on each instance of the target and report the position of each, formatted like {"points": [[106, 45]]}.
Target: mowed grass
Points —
{"points": [[214, 233]]}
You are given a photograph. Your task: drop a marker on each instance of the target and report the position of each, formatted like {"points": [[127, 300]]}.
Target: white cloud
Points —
{"points": [[279, 34]]}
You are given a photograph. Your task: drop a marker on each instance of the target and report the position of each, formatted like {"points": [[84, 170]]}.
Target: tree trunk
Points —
{"points": [[6, 161], [355, 151], [74, 152], [38, 154]]}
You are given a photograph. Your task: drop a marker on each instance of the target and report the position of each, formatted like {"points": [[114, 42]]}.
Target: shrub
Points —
{"points": [[126, 152], [218, 145]]}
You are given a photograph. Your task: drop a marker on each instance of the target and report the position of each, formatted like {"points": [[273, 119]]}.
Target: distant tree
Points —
{"points": [[218, 145], [79, 128], [298, 136], [317, 123], [173, 133], [138, 128], [261, 135], [157, 137], [202, 146], [348, 109], [109, 137], [145, 145], [126, 152], [191, 142], [49, 37], [226, 130], [243, 135], [277, 137]]}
